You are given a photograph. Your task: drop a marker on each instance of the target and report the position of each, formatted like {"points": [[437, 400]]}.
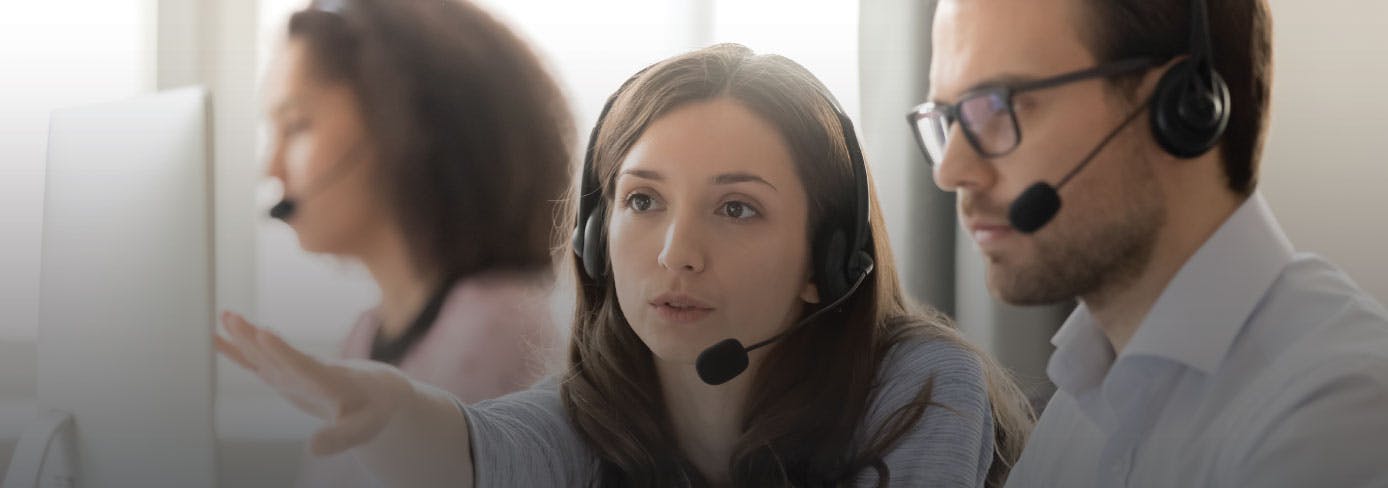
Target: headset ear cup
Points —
{"points": [[859, 265], [1188, 118], [1165, 110], [594, 259], [577, 241], [830, 265]]}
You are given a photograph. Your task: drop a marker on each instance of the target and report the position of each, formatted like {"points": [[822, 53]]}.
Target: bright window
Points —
{"points": [[54, 55]]}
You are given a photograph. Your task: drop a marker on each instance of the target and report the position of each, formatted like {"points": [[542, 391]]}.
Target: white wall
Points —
{"points": [[1326, 162]]}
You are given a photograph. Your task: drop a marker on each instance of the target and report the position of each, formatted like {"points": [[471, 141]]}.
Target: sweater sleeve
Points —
{"points": [[952, 444], [526, 439]]}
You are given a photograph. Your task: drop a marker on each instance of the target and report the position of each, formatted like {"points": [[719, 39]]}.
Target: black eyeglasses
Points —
{"points": [[987, 115]]}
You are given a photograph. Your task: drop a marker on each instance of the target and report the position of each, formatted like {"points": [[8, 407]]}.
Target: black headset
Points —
{"points": [[1191, 105], [1189, 114], [841, 257]]}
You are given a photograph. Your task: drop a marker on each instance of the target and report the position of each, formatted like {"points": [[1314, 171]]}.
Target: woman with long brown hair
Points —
{"points": [[400, 130], [725, 202]]}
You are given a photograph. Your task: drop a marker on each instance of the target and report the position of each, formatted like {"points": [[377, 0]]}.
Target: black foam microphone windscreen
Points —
{"points": [[283, 210], [1034, 208], [722, 362]]}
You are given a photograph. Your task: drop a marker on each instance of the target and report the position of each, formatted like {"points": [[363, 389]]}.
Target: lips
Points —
{"points": [[681, 308], [987, 233]]}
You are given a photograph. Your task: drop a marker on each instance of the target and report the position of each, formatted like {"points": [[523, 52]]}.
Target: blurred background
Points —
{"points": [[1323, 169]]}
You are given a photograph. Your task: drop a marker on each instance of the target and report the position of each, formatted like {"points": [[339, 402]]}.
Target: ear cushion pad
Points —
{"points": [[594, 256], [1188, 118], [831, 249]]}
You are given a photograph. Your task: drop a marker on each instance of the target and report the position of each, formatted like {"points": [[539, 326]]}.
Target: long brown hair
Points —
{"points": [[473, 136], [802, 410]]}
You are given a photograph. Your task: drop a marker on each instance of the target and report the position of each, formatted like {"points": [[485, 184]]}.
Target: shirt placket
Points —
{"points": [[1133, 396]]}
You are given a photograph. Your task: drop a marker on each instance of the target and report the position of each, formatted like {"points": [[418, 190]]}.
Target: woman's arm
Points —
{"points": [[407, 434], [952, 443]]}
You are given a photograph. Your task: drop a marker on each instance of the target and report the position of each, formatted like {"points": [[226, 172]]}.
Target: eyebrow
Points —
{"points": [[721, 179], [285, 106], [734, 178], [995, 81]]}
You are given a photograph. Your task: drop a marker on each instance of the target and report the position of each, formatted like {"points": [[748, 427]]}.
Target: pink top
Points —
{"points": [[494, 335]]}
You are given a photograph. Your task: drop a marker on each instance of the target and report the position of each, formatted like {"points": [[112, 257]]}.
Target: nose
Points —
{"points": [[683, 249], [275, 165], [962, 167]]}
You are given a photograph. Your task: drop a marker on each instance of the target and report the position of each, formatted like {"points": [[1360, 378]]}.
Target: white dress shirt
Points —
{"points": [[1256, 367]]}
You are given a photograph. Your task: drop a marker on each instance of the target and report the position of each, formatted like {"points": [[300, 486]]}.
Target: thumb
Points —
{"points": [[347, 431]]}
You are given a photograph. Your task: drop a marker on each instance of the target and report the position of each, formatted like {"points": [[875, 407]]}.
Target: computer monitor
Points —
{"points": [[126, 294]]}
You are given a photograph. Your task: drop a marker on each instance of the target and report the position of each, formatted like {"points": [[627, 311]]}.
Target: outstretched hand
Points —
{"points": [[355, 398]]}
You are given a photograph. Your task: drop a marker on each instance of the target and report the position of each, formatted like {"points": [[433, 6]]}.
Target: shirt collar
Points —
{"points": [[1201, 311], [1083, 354]]}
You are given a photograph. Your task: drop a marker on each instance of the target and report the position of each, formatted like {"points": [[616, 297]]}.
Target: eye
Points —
{"points": [[738, 210], [639, 202], [293, 128], [1022, 104]]}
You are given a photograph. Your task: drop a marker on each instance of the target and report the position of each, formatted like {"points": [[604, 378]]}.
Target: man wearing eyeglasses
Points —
{"points": [[1107, 150]]}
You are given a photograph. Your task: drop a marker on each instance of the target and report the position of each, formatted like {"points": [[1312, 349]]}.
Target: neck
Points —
{"points": [[404, 289], [707, 419], [1119, 307]]}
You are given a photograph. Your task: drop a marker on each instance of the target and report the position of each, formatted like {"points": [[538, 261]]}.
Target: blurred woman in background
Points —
{"points": [[424, 140]]}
